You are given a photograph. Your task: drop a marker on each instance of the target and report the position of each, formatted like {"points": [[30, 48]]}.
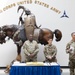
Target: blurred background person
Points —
{"points": [[70, 49]]}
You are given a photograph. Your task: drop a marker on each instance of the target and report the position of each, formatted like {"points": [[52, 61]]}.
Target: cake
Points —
{"points": [[35, 64]]}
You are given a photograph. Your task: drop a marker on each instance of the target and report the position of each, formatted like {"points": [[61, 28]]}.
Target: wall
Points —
{"points": [[48, 15]]}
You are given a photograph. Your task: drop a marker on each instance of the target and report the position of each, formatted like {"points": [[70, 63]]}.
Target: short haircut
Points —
{"points": [[72, 33]]}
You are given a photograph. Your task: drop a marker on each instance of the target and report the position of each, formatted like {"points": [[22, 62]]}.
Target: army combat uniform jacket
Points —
{"points": [[50, 50], [71, 45], [30, 48]]}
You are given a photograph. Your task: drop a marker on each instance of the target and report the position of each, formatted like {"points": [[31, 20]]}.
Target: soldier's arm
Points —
{"points": [[55, 52], [36, 49], [68, 48], [45, 52], [25, 49]]}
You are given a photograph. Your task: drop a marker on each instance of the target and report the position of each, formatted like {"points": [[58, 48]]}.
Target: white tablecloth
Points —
{"points": [[16, 63]]}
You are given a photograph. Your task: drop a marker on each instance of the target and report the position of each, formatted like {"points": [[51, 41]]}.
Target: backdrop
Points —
{"points": [[52, 14]]}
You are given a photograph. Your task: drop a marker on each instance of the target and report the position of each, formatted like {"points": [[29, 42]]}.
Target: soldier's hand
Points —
{"points": [[31, 55], [70, 50], [50, 57]]}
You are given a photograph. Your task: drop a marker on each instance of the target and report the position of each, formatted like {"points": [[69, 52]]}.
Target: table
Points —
{"points": [[35, 70]]}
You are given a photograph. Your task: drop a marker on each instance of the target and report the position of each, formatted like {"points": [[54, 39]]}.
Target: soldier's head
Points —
{"points": [[73, 36], [30, 37], [50, 41]]}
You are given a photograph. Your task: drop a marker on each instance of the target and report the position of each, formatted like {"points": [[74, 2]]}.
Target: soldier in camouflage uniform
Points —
{"points": [[70, 48], [50, 52], [31, 50]]}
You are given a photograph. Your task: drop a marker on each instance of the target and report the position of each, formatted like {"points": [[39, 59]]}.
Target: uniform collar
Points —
{"points": [[49, 45], [72, 41], [30, 41]]}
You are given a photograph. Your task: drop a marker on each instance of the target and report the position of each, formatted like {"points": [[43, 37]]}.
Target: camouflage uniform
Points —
{"points": [[30, 48], [71, 56], [50, 50]]}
